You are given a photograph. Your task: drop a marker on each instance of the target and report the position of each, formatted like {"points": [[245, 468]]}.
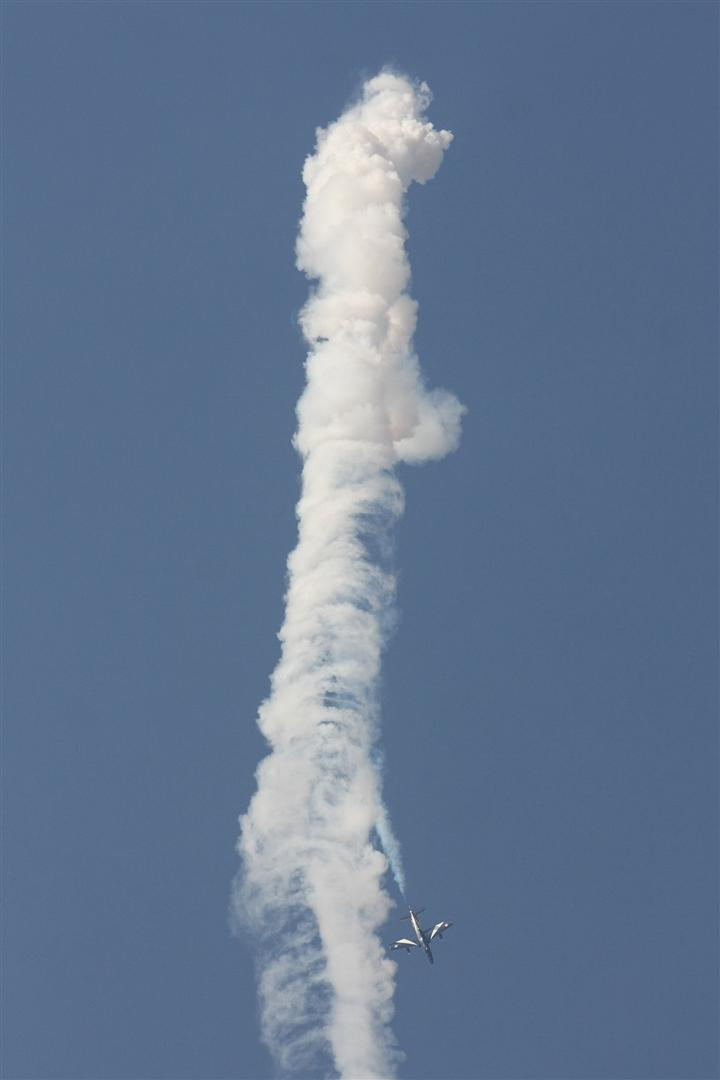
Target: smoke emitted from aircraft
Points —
{"points": [[311, 885], [391, 846]]}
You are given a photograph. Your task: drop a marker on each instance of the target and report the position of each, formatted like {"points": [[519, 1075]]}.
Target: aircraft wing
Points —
{"points": [[404, 943], [438, 930]]}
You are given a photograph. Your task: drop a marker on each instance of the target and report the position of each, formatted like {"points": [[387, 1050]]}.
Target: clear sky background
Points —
{"points": [[550, 696]]}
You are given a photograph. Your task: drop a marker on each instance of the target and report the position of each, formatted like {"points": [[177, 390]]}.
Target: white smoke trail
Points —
{"points": [[311, 885], [391, 846]]}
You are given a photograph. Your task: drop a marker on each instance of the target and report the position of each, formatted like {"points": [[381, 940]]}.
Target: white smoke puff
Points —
{"points": [[312, 880], [363, 379]]}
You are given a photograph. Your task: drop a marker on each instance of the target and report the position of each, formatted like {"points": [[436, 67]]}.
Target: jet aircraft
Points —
{"points": [[424, 937]]}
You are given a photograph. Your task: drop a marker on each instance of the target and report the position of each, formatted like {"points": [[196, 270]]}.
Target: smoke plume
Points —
{"points": [[311, 886]]}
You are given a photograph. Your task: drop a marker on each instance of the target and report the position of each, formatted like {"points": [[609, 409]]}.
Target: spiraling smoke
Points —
{"points": [[311, 885]]}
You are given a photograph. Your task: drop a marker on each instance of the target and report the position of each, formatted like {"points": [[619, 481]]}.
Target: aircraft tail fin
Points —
{"points": [[418, 912]]}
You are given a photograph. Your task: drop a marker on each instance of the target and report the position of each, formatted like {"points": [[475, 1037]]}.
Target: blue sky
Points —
{"points": [[550, 695]]}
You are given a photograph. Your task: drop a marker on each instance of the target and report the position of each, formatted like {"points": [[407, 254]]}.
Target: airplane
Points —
{"points": [[424, 937]]}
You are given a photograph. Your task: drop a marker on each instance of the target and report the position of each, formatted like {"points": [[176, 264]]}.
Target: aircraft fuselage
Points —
{"points": [[421, 939]]}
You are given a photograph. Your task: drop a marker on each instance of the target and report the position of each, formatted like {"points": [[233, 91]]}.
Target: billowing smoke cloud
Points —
{"points": [[311, 886]]}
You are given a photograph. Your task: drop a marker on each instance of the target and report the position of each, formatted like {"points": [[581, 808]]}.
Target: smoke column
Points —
{"points": [[311, 885]]}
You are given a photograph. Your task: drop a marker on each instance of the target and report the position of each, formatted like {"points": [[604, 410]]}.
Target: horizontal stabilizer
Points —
{"points": [[419, 910]]}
